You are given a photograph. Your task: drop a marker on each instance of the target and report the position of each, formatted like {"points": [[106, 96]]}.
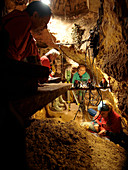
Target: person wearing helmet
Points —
{"points": [[106, 122]]}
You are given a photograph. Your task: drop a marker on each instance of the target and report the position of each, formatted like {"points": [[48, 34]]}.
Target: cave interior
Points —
{"points": [[90, 32]]}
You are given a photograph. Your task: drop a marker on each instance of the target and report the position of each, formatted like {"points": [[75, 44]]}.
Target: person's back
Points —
{"points": [[17, 43], [18, 24]]}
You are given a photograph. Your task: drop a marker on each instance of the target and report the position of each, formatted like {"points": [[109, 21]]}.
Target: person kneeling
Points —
{"points": [[106, 122]]}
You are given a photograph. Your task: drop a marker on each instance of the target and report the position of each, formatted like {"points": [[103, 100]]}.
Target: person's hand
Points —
{"points": [[52, 73], [85, 125], [102, 132], [42, 80], [96, 126]]}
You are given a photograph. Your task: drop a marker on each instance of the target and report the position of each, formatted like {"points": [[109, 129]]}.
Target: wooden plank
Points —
{"points": [[27, 106], [53, 86], [93, 88]]}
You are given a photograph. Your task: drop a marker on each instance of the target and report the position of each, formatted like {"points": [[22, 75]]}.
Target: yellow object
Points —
{"points": [[87, 127], [53, 69]]}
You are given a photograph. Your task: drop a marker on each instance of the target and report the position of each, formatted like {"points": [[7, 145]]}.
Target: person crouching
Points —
{"points": [[106, 122]]}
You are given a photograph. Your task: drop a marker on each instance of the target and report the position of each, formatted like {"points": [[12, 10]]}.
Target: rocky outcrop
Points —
{"points": [[113, 49]]}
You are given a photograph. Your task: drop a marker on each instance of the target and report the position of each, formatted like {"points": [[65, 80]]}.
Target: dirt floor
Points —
{"points": [[61, 143]]}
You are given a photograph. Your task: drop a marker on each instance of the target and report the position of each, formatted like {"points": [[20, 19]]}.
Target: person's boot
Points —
{"points": [[61, 99], [56, 105], [58, 102]]}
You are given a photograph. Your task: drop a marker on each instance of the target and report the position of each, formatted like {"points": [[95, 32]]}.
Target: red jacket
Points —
{"points": [[112, 123], [45, 61], [21, 43]]}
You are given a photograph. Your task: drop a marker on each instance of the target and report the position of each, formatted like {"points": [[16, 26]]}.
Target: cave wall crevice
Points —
{"points": [[113, 50]]}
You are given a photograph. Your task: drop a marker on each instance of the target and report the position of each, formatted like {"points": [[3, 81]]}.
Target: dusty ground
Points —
{"points": [[61, 143]]}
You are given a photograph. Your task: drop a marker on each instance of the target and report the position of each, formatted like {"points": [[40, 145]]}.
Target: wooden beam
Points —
{"points": [[92, 88], [27, 106]]}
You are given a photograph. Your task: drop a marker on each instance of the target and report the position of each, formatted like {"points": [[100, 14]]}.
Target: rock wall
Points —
{"points": [[69, 8], [113, 51]]}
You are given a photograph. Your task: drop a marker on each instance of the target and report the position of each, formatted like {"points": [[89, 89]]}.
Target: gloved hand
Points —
{"points": [[96, 126], [102, 132]]}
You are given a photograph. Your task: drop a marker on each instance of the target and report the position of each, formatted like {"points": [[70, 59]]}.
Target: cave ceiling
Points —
{"points": [[68, 8], [66, 13]]}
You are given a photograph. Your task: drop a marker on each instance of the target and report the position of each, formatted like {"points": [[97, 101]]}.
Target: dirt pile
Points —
{"points": [[53, 144]]}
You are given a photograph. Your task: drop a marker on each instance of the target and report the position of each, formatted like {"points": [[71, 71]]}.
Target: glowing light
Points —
{"points": [[61, 29], [47, 2]]}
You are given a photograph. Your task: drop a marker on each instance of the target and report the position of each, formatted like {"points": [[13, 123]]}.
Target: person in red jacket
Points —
{"points": [[16, 27], [18, 46], [47, 60], [106, 122], [18, 78]]}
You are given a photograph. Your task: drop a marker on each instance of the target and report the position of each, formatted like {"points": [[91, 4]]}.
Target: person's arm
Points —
{"points": [[45, 62], [115, 137], [73, 79], [97, 117], [88, 76], [114, 131], [31, 51]]}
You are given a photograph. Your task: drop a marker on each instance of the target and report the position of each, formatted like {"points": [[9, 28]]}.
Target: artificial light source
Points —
{"points": [[47, 2]]}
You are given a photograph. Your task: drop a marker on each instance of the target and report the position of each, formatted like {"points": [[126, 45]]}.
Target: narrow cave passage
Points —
{"points": [[48, 99]]}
